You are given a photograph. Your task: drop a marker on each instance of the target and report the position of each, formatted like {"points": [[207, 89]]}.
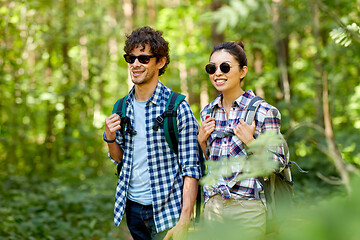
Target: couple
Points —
{"points": [[157, 188]]}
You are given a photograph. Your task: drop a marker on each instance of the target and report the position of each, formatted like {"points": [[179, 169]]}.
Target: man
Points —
{"points": [[157, 188]]}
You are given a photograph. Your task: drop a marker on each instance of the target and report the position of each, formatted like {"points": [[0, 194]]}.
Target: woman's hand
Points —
{"points": [[207, 127], [244, 131]]}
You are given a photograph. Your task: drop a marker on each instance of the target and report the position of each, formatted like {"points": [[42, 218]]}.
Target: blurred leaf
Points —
{"points": [[257, 164]]}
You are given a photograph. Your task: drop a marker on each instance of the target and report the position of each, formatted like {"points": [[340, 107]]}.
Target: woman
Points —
{"points": [[229, 198]]}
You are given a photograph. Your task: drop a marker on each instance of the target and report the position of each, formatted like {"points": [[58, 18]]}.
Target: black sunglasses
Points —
{"points": [[144, 59], [211, 68]]}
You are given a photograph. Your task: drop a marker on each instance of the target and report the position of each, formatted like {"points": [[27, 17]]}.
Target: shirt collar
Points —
{"points": [[156, 96], [241, 101]]}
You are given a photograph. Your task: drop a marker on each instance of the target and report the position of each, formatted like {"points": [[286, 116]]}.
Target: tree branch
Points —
{"points": [[330, 180], [331, 14]]}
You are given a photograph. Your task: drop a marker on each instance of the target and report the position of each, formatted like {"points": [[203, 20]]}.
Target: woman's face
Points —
{"points": [[230, 81]]}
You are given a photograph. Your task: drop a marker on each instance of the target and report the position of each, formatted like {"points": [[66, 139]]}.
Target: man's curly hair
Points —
{"points": [[146, 35]]}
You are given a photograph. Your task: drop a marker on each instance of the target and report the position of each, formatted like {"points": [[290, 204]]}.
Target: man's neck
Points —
{"points": [[143, 92]]}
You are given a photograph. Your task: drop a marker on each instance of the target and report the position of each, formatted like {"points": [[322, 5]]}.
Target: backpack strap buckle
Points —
{"points": [[158, 121], [131, 131]]}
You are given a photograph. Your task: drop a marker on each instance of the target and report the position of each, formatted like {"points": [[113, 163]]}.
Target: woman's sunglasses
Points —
{"points": [[211, 68], [144, 59]]}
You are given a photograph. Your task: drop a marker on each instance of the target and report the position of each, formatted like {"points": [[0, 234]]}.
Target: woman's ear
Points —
{"points": [[243, 71]]}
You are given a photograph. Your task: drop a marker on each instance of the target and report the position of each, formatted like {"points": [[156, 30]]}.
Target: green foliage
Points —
{"points": [[61, 70], [41, 208], [342, 36], [255, 165], [328, 218]]}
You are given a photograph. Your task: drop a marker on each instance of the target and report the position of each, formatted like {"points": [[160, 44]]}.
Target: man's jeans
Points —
{"points": [[141, 223]]}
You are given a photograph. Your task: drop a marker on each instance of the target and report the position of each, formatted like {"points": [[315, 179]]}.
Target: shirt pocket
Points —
{"points": [[236, 147]]}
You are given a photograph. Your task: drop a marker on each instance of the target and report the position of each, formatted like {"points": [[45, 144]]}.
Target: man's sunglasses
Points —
{"points": [[144, 59], [211, 68]]}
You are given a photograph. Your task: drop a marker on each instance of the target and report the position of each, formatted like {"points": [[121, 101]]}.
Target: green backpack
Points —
{"points": [[167, 119], [278, 187]]}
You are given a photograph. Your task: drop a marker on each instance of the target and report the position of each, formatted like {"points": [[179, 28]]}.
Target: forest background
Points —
{"points": [[61, 70]]}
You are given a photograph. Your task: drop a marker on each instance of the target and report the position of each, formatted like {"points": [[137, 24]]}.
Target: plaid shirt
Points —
{"points": [[166, 169], [267, 118]]}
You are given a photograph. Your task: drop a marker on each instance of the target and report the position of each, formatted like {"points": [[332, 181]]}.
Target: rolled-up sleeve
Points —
{"points": [[188, 155], [120, 141]]}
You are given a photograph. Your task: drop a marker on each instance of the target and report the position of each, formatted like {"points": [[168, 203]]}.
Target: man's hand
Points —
{"points": [[112, 124], [244, 131], [179, 231]]}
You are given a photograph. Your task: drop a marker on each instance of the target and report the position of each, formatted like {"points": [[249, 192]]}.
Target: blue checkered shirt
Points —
{"points": [[167, 170], [267, 118]]}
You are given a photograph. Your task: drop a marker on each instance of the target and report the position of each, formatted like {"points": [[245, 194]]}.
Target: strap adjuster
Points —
{"points": [[158, 121]]}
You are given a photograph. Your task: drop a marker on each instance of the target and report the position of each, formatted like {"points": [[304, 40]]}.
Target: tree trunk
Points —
{"points": [[50, 116], [258, 67], [151, 11], [282, 52], [317, 63], [330, 139], [216, 38], [183, 79], [66, 71], [128, 13], [281, 44], [323, 93]]}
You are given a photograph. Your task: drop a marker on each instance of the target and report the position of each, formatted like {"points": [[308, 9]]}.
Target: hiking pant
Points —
{"points": [[244, 216]]}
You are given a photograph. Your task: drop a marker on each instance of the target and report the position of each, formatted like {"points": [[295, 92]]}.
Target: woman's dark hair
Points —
{"points": [[146, 35], [236, 49]]}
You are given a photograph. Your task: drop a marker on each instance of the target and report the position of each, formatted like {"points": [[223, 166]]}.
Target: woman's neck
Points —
{"points": [[229, 97]]}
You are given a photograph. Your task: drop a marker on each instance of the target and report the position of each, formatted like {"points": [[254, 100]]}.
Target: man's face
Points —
{"points": [[142, 73]]}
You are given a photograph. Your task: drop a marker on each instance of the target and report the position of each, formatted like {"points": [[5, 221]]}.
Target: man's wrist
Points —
{"points": [[108, 141]]}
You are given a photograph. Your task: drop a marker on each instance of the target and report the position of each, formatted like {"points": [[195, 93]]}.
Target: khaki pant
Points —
{"points": [[244, 216]]}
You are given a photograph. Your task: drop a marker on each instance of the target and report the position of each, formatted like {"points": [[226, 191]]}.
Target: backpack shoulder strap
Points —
{"points": [[170, 123], [252, 108], [168, 119], [250, 113], [120, 106], [120, 109]]}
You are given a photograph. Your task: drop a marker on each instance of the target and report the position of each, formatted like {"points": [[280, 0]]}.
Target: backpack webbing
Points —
{"points": [[250, 112], [119, 106], [251, 109], [168, 118], [120, 109]]}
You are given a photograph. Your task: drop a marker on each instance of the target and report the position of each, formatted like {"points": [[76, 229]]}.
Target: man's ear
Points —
{"points": [[243, 71], [161, 62]]}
